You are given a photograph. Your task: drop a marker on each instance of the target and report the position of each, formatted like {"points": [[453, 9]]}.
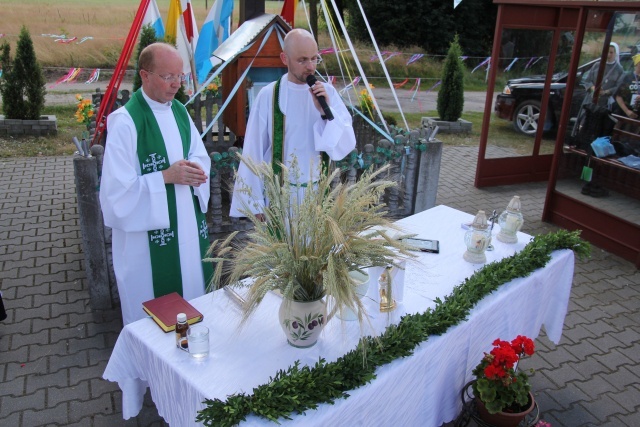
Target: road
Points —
{"points": [[64, 93]]}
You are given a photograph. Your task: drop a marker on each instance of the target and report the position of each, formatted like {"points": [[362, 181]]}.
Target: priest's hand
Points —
{"points": [[317, 90], [184, 172]]}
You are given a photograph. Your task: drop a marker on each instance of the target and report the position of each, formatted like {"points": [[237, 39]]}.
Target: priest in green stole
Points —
{"points": [[286, 122], [154, 190]]}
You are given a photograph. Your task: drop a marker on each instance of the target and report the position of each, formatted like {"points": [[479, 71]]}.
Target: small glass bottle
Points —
{"points": [[181, 332]]}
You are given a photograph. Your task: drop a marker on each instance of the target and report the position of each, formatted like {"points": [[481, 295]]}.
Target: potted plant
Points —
{"points": [[503, 396], [313, 235], [450, 102]]}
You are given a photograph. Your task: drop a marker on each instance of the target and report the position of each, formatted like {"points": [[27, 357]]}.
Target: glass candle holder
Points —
{"points": [[510, 222], [477, 239]]}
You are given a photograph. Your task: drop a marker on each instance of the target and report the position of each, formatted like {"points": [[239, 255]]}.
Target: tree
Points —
{"points": [[5, 62], [451, 94], [427, 23], [147, 37], [23, 88]]}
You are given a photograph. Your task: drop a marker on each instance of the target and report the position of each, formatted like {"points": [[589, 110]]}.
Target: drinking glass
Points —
{"points": [[198, 336]]}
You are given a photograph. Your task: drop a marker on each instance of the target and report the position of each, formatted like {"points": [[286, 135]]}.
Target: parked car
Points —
{"points": [[520, 100]]}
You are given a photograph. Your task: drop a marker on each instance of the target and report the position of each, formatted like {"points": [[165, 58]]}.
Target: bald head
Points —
{"points": [[299, 39], [157, 52]]}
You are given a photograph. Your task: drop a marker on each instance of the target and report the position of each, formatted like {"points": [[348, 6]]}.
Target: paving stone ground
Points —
{"points": [[54, 348]]}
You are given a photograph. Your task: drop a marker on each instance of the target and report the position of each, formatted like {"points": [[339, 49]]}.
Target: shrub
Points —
{"points": [[5, 62], [23, 87], [451, 94], [147, 37]]}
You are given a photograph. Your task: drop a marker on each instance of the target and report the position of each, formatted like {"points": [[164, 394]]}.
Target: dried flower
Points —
{"points": [[498, 385], [85, 110], [308, 243]]}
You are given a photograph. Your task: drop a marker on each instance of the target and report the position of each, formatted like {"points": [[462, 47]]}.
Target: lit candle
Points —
{"points": [[479, 241], [512, 223]]}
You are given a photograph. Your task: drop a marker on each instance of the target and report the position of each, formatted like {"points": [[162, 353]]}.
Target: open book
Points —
{"points": [[164, 310]]}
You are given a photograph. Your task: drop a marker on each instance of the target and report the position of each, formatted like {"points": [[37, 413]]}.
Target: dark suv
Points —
{"points": [[519, 102]]}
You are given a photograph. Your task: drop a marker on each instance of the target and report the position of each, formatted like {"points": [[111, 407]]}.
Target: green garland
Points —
{"points": [[299, 389]]}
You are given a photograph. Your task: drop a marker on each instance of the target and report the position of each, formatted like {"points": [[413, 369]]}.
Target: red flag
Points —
{"points": [[187, 14], [289, 11]]}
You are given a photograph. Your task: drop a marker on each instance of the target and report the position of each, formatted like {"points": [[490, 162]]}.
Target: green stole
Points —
{"points": [[152, 154], [278, 138]]}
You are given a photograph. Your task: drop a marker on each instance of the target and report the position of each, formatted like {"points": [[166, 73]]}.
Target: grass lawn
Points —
{"points": [[59, 145]]}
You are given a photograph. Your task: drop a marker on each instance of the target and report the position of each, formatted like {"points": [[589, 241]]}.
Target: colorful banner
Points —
{"points": [[215, 30], [289, 12], [153, 18]]}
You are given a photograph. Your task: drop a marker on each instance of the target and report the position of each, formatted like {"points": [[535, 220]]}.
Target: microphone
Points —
{"points": [[311, 80]]}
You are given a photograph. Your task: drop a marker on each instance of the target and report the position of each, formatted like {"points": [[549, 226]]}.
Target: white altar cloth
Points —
{"points": [[423, 389]]}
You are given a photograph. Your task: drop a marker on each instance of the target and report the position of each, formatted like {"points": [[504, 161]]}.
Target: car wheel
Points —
{"points": [[525, 119]]}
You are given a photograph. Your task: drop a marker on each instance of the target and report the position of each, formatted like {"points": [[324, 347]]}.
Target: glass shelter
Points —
{"points": [[562, 75]]}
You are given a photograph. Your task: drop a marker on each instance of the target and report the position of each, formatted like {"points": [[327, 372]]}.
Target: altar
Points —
{"points": [[422, 389]]}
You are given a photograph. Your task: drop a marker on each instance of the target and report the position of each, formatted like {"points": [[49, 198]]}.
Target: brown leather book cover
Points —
{"points": [[164, 310]]}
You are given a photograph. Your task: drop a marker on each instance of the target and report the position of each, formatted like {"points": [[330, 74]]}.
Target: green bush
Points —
{"points": [[451, 94], [23, 85], [147, 37]]}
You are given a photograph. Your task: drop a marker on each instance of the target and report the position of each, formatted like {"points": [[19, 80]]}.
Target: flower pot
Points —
{"points": [[302, 322], [504, 419]]}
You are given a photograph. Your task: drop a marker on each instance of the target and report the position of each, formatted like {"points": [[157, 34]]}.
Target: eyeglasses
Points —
{"points": [[171, 77], [315, 60]]}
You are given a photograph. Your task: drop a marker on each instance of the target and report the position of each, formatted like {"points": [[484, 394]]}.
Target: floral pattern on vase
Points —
{"points": [[302, 322]]}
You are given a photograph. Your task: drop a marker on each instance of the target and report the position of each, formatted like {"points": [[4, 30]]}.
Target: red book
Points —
{"points": [[164, 310]]}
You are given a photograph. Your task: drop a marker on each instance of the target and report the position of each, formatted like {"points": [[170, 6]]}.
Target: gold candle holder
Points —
{"points": [[385, 290]]}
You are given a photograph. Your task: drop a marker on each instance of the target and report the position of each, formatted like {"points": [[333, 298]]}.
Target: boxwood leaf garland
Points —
{"points": [[300, 388]]}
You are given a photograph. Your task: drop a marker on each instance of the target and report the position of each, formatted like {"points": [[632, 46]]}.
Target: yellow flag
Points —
{"points": [[175, 9]]}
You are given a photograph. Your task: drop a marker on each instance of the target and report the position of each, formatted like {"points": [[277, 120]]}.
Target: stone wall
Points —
{"points": [[46, 125]]}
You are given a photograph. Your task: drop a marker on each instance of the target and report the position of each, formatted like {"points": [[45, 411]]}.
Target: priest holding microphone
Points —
{"points": [[293, 117]]}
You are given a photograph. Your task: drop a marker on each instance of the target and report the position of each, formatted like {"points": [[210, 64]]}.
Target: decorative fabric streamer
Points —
{"points": [[415, 57], [63, 78], [354, 83], [95, 75], [434, 86], [327, 51], [73, 75], [375, 58], [84, 39], [415, 88], [55, 36], [399, 85], [511, 65], [529, 63], [66, 40], [536, 61], [391, 55], [485, 62]]}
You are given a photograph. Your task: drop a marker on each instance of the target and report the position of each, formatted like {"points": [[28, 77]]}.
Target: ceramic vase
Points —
{"points": [[504, 419], [302, 321]]}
